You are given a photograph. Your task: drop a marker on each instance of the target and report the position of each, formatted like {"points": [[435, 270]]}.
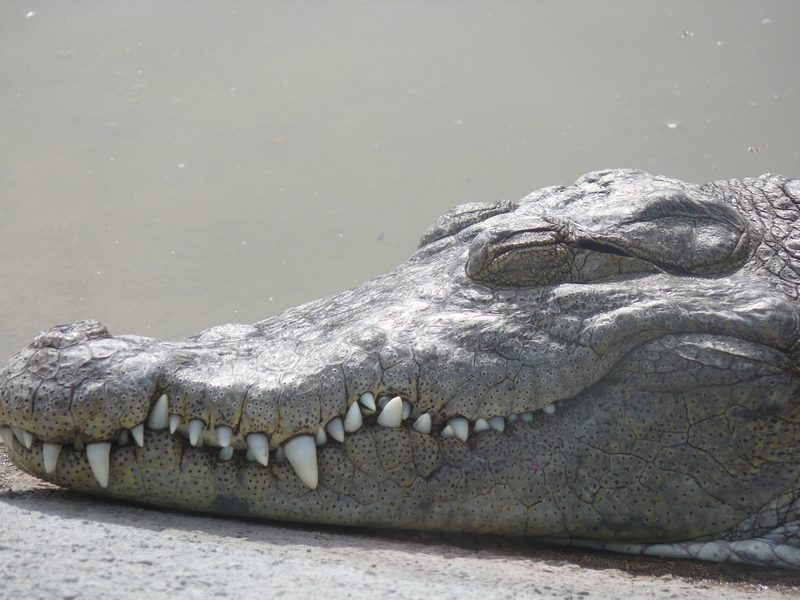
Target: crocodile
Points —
{"points": [[612, 364]]}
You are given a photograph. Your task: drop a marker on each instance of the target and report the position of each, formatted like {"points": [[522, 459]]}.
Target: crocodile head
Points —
{"points": [[612, 362]]}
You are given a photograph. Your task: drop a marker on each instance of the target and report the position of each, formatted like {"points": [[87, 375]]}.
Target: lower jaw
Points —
{"points": [[168, 472], [378, 477]]}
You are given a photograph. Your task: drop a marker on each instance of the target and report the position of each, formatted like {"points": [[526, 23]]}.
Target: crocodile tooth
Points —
{"points": [[481, 425], [549, 409], [159, 416], [497, 423], [336, 429], [7, 435], [138, 434], [50, 454], [392, 414], [195, 430], [460, 428], [258, 444], [367, 400], [78, 444], [321, 439], [301, 452], [280, 455], [250, 457], [526, 417], [98, 455], [224, 436], [353, 420], [423, 424], [512, 418], [406, 410], [448, 432], [18, 434], [226, 454], [174, 423], [25, 437], [123, 439]]}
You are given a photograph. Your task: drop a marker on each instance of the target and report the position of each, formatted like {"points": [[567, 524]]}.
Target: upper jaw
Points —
{"points": [[78, 386], [248, 389]]}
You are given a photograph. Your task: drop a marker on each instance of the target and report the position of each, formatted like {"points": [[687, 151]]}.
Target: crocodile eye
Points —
{"points": [[529, 257], [683, 236], [666, 231]]}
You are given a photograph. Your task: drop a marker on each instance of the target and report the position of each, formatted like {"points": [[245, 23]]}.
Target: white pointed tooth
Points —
{"points": [[138, 434], [481, 425], [226, 454], [448, 432], [392, 414], [301, 452], [460, 427], [336, 429], [512, 418], [25, 437], [321, 439], [353, 420], [423, 424], [159, 416], [383, 401], [174, 423], [526, 417], [98, 455], [549, 409], [7, 435], [258, 444], [367, 400], [196, 427], [18, 434], [406, 410], [250, 457], [124, 439], [497, 423], [224, 436], [280, 455], [50, 454]]}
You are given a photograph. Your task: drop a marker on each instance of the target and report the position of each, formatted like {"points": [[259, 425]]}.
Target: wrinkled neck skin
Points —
{"points": [[611, 364]]}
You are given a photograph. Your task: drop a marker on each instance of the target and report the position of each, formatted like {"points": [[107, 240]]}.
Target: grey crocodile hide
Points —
{"points": [[611, 364]]}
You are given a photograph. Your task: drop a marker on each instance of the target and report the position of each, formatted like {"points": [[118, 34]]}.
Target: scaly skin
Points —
{"points": [[636, 335]]}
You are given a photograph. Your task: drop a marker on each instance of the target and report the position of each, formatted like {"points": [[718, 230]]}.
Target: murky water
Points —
{"points": [[166, 167]]}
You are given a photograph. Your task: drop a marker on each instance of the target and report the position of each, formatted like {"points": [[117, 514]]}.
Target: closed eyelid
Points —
{"points": [[674, 203]]}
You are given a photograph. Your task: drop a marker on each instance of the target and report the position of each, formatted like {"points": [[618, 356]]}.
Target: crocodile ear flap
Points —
{"points": [[462, 217]]}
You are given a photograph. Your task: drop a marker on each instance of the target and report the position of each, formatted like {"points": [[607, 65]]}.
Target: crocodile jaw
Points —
{"points": [[429, 398]]}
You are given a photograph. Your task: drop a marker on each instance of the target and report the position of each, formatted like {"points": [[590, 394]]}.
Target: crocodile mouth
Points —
{"points": [[580, 467], [224, 443]]}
